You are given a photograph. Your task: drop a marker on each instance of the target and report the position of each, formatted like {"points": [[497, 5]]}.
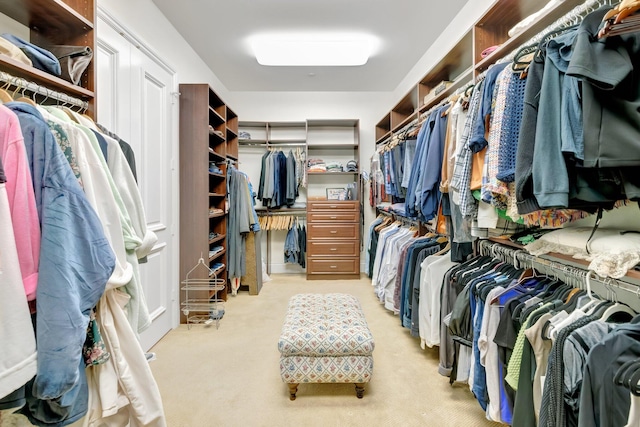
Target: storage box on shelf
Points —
{"points": [[208, 129], [55, 22], [456, 68]]}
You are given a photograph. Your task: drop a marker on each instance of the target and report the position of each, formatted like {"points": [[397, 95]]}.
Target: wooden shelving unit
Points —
{"points": [[463, 62], [208, 137], [492, 28], [55, 22]]}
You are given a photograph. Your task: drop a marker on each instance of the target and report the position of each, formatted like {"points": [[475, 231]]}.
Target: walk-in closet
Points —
{"points": [[323, 213]]}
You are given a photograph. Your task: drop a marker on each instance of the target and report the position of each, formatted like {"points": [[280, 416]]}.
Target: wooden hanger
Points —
{"points": [[70, 113], [444, 250], [25, 99], [4, 95]]}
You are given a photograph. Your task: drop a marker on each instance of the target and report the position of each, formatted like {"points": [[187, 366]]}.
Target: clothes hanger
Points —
{"points": [[591, 299], [24, 98], [617, 309], [4, 95], [625, 371]]}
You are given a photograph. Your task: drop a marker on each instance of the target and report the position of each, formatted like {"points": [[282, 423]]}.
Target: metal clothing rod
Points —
{"points": [[281, 213], [572, 275], [22, 84]]}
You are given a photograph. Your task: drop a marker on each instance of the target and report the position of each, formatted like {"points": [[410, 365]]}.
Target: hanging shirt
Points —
{"points": [[21, 199], [72, 238]]}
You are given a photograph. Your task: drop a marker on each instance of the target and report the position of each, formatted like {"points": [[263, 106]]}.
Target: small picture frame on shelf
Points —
{"points": [[336, 194]]}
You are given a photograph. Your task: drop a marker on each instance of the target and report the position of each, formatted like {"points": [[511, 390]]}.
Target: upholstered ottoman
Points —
{"points": [[325, 339]]}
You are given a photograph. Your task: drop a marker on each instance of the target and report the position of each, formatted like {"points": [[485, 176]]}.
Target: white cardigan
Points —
{"points": [[18, 349]]}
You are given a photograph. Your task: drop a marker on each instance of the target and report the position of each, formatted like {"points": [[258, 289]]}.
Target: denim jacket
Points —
{"points": [[75, 263]]}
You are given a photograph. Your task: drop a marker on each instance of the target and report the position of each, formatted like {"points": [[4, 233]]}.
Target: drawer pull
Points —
{"points": [[334, 266], [333, 231], [333, 206], [334, 217], [333, 249]]}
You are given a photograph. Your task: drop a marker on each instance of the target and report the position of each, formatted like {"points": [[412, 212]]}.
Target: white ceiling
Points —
{"points": [[218, 31]]}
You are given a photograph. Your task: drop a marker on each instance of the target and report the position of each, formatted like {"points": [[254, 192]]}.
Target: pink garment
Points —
{"points": [[488, 51], [22, 201]]}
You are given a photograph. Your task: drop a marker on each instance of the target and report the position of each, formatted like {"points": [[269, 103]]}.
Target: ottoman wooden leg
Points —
{"points": [[359, 390], [293, 389]]}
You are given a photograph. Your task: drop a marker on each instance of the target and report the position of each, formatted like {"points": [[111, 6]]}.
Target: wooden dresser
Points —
{"points": [[333, 240]]}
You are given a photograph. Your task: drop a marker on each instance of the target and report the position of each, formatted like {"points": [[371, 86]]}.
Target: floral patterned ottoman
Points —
{"points": [[325, 339]]}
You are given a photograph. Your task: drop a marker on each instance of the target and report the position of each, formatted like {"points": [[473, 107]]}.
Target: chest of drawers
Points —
{"points": [[333, 240]]}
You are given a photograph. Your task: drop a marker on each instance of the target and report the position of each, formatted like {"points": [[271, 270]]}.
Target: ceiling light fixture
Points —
{"points": [[312, 50]]}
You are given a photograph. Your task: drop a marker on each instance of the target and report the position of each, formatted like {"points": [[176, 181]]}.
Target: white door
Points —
{"points": [[136, 100]]}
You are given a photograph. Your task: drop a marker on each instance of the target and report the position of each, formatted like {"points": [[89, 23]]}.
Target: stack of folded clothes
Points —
{"points": [[334, 167], [38, 57], [317, 165]]}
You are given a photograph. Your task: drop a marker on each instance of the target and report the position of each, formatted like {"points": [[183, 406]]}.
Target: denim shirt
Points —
{"points": [[75, 263]]}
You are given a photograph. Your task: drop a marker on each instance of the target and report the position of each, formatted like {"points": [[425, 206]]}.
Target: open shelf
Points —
{"points": [[50, 16], [216, 139], [404, 110], [217, 239], [218, 156], [383, 128], [214, 117], [332, 173], [217, 255], [19, 69], [463, 80], [492, 29]]}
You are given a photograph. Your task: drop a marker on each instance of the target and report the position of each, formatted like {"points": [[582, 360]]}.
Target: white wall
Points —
{"points": [[144, 19], [458, 27]]}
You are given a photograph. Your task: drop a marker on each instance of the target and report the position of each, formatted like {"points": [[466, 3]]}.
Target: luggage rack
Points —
{"points": [[199, 310]]}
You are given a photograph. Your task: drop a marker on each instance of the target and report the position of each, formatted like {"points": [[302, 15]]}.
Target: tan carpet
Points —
{"points": [[230, 376]]}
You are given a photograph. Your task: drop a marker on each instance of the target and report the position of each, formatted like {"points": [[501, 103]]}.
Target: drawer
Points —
{"points": [[343, 248], [336, 266], [333, 206], [332, 231], [336, 216]]}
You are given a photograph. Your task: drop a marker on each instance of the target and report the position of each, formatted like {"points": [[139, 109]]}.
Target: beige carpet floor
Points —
{"points": [[230, 376]]}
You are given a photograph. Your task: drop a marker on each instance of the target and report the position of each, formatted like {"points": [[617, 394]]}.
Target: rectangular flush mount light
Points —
{"points": [[297, 50]]}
